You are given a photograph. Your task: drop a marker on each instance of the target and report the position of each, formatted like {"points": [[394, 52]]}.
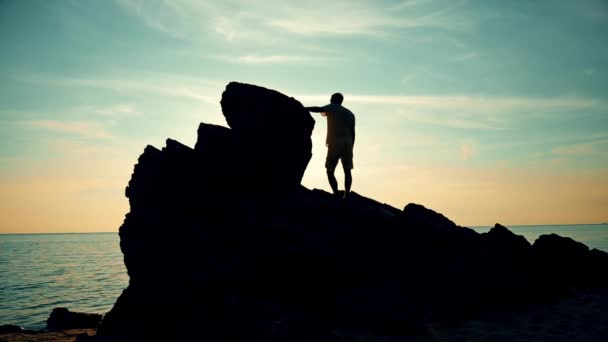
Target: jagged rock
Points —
{"points": [[62, 318], [560, 248], [418, 214], [570, 263], [229, 243], [502, 240]]}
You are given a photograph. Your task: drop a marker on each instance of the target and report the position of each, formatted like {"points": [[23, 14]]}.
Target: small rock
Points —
{"points": [[10, 328], [62, 318]]}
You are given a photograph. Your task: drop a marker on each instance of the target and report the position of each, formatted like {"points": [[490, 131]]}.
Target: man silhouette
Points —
{"points": [[340, 140]]}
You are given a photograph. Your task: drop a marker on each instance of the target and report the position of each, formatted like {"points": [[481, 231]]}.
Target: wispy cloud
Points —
{"points": [[236, 20], [467, 112], [466, 56], [455, 120], [87, 129], [470, 102], [163, 16], [364, 18], [156, 83], [277, 59], [582, 148], [574, 149], [114, 111]]}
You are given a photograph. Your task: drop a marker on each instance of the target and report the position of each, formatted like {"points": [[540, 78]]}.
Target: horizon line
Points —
{"points": [[465, 226]]}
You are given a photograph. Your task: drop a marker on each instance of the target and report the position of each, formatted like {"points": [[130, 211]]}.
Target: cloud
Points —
{"points": [[243, 20], [468, 102], [466, 56], [363, 18], [87, 129], [467, 112], [163, 16], [577, 149], [277, 59], [156, 83], [489, 113], [115, 111], [456, 120]]}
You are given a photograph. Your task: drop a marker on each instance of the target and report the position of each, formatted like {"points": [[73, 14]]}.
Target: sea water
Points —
{"points": [[85, 272], [39, 272]]}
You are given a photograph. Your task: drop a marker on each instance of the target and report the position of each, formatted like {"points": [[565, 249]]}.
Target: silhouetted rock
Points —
{"points": [[502, 240], [10, 328], [570, 263], [560, 248], [223, 238], [418, 214], [62, 318], [272, 132]]}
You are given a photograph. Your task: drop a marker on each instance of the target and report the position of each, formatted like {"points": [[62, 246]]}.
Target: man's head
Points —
{"points": [[337, 98]]}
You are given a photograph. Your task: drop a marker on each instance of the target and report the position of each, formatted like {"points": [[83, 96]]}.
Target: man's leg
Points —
{"points": [[348, 181], [333, 182], [347, 165], [330, 165]]}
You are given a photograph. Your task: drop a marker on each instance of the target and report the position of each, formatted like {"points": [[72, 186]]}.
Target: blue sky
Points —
{"points": [[488, 111]]}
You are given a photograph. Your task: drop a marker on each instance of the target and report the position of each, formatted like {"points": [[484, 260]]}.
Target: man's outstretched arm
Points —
{"points": [[315, 109]]}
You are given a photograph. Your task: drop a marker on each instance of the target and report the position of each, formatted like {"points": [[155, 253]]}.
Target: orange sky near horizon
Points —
{"points": [[89, 195]]}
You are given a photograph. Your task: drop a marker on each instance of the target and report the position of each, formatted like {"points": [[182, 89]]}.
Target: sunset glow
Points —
{"points": [[484, 112]]}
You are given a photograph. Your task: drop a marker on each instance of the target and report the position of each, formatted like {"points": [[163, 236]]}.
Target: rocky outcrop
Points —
{"points": [[221, 238]]}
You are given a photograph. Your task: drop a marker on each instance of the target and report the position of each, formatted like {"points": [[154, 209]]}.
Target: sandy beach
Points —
{"points": [[51, 336]]}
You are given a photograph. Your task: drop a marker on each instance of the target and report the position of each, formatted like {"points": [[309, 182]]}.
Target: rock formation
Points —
{"points": [[62, 318], [223, 239]]}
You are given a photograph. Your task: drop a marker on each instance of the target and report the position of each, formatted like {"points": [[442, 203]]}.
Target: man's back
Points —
{"points": [[340, 140], [340, 123]]}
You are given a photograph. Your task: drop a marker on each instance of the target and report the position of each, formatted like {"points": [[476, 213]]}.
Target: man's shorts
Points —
{"points": [[340, 149]]}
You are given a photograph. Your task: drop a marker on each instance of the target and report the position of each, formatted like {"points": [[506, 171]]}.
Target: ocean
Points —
{"points": [[85, 272]]}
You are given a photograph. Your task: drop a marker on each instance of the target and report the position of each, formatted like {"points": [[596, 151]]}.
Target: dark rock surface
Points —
{"points": [[62, 318], [223, 239], [10, 328], [272, 134]]}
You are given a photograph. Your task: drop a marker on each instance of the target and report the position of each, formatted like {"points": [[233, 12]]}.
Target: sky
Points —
{"points": [[486, 111]]}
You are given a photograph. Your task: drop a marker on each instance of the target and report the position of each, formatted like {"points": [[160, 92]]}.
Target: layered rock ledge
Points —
{"points": [[222, 239]]}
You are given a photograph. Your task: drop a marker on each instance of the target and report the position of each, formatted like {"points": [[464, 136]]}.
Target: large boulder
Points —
{"points": [[273, 135]]}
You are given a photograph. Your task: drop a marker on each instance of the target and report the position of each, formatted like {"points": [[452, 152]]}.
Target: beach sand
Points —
{"points": [[51, 336]]}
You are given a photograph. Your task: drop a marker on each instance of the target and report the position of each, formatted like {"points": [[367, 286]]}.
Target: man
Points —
{"points": [[340, 140]]}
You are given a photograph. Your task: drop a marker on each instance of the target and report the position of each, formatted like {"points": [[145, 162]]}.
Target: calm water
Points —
{"points": [[38, 272], [85, 272]]}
